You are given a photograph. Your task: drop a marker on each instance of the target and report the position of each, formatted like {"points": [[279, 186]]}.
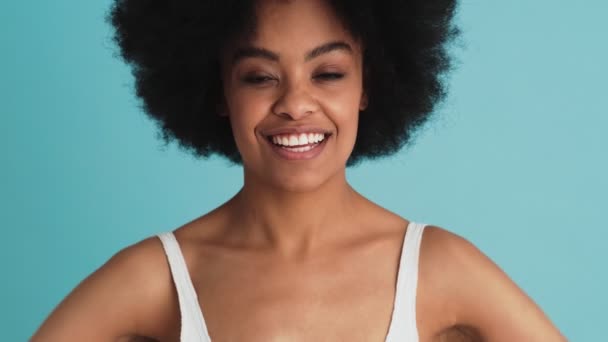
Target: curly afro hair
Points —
{"points": [[173, 46]]}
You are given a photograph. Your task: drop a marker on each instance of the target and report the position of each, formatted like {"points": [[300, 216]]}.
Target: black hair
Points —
{"points": [[173, 46]]}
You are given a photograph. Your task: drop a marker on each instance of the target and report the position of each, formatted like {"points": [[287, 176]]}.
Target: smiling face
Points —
{"points": [[296, 82]]}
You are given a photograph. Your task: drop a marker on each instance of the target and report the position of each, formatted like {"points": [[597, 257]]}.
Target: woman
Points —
{"points": [[294, 91]]}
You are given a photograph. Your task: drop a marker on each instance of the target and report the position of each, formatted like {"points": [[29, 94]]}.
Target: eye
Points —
{"points": [[329, 76], [257, 79]]}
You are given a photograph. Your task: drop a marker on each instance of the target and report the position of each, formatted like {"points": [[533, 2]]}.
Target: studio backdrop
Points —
{"points": [[515, 159]]}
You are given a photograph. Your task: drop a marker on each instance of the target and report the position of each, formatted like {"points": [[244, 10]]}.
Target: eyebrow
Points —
{"points": [[257, 52]]}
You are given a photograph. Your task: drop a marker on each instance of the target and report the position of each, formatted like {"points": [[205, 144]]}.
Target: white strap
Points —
{"points": [[193, 327], [403, 321]]}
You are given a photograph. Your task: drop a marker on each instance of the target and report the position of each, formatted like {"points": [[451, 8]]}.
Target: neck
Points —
{"points": [[289, 222]]}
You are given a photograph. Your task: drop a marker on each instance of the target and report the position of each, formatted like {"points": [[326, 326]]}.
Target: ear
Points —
{"points": [[364, 101]]}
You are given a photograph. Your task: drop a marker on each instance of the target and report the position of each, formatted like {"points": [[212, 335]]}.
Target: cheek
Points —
{"points": [[344, 110], [255, 100], [246, 111]]}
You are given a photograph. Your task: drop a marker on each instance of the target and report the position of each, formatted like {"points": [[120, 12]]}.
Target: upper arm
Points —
{"points": [[111, 302], [484, 297]]}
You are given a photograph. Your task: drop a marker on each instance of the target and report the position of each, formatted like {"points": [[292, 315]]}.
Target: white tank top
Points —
{"points": [[403, 320]]}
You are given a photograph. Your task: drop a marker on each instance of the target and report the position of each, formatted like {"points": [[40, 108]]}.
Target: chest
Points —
{"points": [[334, 300], [349, 296]]}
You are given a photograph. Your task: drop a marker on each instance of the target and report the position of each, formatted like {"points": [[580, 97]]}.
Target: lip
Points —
{"points": [[291, 155]]}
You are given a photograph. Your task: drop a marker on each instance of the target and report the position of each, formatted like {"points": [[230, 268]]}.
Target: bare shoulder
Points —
{"points": [[474, 295], [130, 295]]}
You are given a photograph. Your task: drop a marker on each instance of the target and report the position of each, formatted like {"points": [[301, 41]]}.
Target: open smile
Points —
{"points": [[298, 146]]}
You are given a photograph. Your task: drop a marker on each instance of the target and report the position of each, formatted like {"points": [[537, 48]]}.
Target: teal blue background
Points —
{"points": [[515, 159]]}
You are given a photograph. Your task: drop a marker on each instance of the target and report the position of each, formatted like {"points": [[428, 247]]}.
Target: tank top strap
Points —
{"points": [[403, 321], [193, 327]]}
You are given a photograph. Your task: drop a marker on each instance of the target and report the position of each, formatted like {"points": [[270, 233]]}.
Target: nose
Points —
{"points": [[295, 102]]}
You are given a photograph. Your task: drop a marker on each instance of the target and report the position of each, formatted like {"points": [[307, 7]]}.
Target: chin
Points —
{"points": [[295, 178]]}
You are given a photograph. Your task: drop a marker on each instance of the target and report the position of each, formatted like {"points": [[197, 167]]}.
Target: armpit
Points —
{"points": [[136, 338], [459, 333]]}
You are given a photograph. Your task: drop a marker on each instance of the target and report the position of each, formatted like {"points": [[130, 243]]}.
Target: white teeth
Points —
{"points": [[299, 149], [293, 140], [297, 139]]}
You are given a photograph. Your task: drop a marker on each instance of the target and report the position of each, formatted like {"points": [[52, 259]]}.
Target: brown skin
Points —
{"points": [[297, 254]]}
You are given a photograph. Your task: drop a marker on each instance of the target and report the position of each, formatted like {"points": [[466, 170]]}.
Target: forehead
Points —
{"points": [[294, 26]]}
